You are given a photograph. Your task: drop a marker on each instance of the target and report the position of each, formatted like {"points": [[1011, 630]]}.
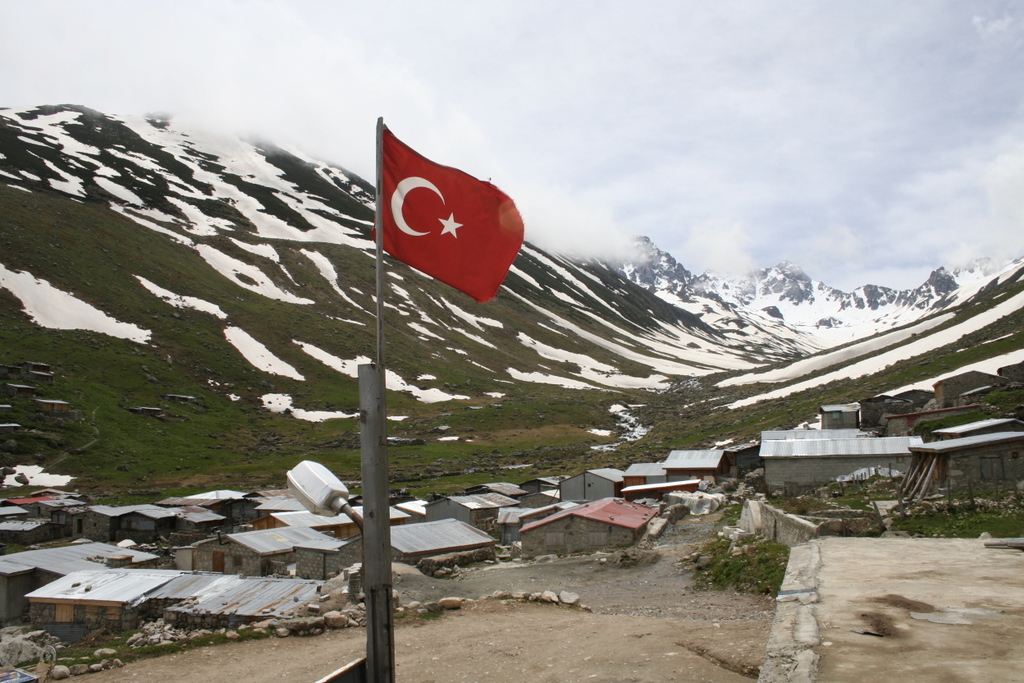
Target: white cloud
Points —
{"points": [[778, 121]]}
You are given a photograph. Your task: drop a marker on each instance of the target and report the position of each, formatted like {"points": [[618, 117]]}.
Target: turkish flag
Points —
{"points": [[460, 230]]}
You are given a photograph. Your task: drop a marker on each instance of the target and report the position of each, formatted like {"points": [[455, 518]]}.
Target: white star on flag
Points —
{"points": [[450, 226]]}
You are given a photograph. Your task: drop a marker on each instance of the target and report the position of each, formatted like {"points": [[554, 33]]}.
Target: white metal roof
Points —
{"points": [[645, 469], [444, 534], [968, 442], [694, 459], [128, 586], [980, 424], [812, 434], [68, 558], [887, 445], [270, 541]]}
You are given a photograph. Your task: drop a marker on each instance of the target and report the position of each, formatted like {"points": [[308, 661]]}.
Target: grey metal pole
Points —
{"points": [[380, 627]]}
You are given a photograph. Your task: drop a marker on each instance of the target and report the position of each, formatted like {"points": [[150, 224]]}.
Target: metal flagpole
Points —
{"points": [[380, 627]]}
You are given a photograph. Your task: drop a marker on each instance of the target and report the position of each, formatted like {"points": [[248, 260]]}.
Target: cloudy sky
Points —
{"points": [[867, 141]]}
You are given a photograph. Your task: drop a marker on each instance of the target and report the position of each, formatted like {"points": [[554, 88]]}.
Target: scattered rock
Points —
{"points": [[567, 598], [60, 672], [451, 603]]}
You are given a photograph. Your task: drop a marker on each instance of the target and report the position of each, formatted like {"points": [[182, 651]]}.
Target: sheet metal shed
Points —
{"points": [[435, 538]]}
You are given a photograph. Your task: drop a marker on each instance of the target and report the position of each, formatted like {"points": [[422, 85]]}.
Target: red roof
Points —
{"points": [[614, 511], [27, 501]]}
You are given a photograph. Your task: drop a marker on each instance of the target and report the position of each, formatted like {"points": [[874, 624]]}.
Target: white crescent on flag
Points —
{"points": [[398, 201]]}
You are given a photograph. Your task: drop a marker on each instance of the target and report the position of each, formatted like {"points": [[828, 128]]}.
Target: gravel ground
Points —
{"points": [[645, 623]]}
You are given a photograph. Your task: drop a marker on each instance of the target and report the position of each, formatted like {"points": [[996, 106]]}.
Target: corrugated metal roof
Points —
{"points": [[972, 426], [151, 511], [326, 544], [645, 469], [195, 585], [607, 510], [280, 505], [198, 515], [694, 459], [444, 534], [252, 596], [68, 558], [812, 434], [12, 511], [968, 442], [413, 507], [13, 525], [484, 501], [887, 445], [219, 494], [502, 487], [128, 586], [301, 518], [270, 541], [609, 473]]}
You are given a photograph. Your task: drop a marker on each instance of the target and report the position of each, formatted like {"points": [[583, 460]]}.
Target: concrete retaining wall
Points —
{"points": [[775, 525]]}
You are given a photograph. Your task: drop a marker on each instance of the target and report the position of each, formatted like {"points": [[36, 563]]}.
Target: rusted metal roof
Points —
{"points": [[607, 510], [251, 596], [886, 445]]}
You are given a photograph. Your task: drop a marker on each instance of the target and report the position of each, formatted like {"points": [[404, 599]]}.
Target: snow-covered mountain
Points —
{"points": [[250, 222], [786, 293]]}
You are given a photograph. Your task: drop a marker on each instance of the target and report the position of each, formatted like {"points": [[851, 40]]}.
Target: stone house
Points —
{"points": [[1014, 373], [980, 461], [594, 484], [540, 499], [83, 601], [542, 483], [606, 523], [797, 465], [32, 505], [480, 511], [840, 416], [321, 560], [140, 523], [872, 409], [21, 573], [949, 390], [252, 553], [903, 425], [29, 532]]}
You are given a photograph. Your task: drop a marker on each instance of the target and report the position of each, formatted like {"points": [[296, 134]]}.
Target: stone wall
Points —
{"points": [[773, 524], [429, 565], [575, 534], [114, 619], [812, 471]]}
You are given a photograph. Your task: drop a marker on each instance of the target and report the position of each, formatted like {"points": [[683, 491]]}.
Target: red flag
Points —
{"points": [[463, 231]]}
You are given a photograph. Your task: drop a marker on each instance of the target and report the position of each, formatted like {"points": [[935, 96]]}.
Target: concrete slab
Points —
{"points": [[899, 609]]}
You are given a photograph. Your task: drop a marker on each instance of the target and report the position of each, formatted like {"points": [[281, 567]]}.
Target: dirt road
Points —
{"points": [[646, 624]]}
